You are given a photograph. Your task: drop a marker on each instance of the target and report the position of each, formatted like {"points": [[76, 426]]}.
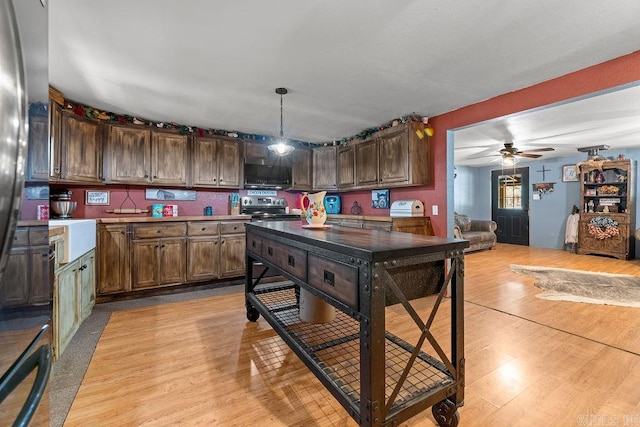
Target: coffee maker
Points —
{"points": [[61, 204]]}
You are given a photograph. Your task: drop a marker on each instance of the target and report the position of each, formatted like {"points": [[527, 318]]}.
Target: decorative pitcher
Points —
{"points": [[315, 211]]}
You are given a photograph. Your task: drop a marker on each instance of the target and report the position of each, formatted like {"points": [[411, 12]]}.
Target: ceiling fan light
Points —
{"points": [[509, 161]]}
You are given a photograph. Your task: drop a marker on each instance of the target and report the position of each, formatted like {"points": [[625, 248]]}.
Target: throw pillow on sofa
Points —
{"points": [[463, 222]]}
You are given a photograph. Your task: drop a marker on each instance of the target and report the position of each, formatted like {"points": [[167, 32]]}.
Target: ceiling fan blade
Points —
{"points": [[531, 156], [540, 149]]}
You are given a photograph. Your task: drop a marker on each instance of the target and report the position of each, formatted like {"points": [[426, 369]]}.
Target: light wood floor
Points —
{"points": [[530, 362]]}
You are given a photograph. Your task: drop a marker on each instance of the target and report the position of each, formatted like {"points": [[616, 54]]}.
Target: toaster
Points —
{"points": [[332, 204]]}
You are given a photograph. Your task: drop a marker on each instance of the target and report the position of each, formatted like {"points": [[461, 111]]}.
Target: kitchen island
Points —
{"points": [[379, 377]]}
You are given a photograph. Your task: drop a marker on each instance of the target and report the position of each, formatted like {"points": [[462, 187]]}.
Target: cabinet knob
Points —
{"points": [[155, 176], [158, 231], [222, 242], [204, 228]]}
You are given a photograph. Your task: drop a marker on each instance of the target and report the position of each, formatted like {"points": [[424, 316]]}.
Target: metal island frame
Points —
{"points": [[380, 378]]}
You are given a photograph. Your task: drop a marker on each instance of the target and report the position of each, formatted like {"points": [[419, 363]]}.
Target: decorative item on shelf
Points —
{"points": [[281, 148], [608, 190], [599, 179], [428, 129], [543, 187], [380, 199], [602, 227], [356, 209], [156, 210]]}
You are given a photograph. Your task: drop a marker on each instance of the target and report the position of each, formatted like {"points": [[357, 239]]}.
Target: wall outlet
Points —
{"points": [[434, 210]]}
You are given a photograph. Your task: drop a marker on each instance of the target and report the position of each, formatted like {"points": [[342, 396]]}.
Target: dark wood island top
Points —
{"points": [[371, 245]]}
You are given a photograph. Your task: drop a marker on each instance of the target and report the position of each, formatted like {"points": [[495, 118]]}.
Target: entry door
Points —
{"points": [[510, 205]]}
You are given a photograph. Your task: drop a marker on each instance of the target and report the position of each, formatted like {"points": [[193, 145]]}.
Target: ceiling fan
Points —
{"points": [[510, 151], [510, 154]]}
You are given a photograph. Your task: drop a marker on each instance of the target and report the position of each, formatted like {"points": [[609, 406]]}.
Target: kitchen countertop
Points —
{"points": [[128, 219], [32, 223]]}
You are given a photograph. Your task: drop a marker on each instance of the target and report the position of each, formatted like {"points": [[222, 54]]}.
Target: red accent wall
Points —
{"points": [[217, 199]]}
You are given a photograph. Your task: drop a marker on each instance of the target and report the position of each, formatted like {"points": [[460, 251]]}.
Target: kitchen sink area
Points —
{"points": [[79, 237]]}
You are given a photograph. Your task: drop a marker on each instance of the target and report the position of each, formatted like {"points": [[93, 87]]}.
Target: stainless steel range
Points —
{"points": [[268, 208]]}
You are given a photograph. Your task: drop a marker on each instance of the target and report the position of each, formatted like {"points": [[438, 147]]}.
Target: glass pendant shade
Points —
{"points": [[280, 147]]}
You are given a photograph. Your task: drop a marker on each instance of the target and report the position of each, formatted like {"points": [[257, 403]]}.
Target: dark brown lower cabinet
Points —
{"points": [[26, 277]]}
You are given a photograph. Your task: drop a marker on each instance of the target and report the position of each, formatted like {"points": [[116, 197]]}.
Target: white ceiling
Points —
{"points": [[348, 65]]}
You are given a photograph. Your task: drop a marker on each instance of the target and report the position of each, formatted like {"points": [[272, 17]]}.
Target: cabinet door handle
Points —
{"points": [[291, 261], [253, 243], [163, 246], [270, 250]]}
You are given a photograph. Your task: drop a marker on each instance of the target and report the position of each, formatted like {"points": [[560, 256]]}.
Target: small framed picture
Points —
{"points": [[380, 199], [97, 197], [569, 173]]}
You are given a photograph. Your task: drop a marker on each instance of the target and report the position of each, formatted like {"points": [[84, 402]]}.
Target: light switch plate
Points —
{"points": [[434, 210]]}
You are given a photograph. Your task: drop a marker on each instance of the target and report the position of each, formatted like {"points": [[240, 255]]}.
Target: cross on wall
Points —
{"points": [[543, 170]]}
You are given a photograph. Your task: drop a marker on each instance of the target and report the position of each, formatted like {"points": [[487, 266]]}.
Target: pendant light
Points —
{"points": [[281, 148]]}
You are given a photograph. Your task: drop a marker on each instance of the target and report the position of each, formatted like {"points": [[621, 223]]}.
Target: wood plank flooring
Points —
{"points": [[530, 362]]}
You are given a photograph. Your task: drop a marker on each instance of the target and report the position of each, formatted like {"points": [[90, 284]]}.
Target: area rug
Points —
{"points": [[583, 286]]}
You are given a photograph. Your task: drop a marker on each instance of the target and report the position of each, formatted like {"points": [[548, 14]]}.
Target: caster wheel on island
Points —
{"points": [[446, 413], [252, 314]]}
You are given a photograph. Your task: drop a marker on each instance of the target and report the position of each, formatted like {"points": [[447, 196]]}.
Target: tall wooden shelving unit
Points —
{"points": [[607, 194]]}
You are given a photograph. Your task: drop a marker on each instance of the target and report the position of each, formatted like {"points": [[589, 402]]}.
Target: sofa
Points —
{"points": [[480, 234]]}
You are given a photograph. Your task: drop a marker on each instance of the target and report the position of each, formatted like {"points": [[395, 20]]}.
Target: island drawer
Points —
{"points": [[235, 227], [254, 244], [163, 229], [203, 228], [334, 278], [290, 259]]}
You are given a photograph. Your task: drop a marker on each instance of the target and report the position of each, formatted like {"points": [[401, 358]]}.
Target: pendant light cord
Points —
{"points": [[281, 132]]}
